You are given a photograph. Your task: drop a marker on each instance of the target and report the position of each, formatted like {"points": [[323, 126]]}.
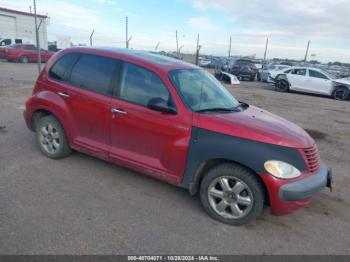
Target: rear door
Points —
{"points": [[319, 83], [145, 139], [86, 89], [298, 79]]}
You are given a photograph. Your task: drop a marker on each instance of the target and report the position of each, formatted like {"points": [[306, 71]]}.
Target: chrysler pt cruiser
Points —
{"points": [[177, 123]]}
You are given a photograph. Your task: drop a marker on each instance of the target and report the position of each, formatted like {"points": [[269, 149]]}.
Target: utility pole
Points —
{"points": [[157, 45], [177, 44], [197, 50], [229, 48], [37, 37], [126, 33], [265, 53], [127, 38], [307, 51], [92, 33]]}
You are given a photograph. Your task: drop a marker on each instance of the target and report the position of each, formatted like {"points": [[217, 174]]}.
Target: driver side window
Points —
{"points": [[316, 74], [139, 86]]}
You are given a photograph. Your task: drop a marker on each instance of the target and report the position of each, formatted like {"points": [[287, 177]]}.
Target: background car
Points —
{"points": [[315, 81], [244, 69], [271, 70], [25, 53]]}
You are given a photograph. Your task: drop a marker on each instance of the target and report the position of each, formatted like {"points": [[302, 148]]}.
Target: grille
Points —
{"points": [[312, 158]]}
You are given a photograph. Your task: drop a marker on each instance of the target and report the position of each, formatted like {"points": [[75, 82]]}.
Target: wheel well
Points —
{"points": [[338, 86], [37, 115], [206, 166]]}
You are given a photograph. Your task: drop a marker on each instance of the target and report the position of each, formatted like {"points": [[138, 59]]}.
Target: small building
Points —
{"points": [[16, 24]]}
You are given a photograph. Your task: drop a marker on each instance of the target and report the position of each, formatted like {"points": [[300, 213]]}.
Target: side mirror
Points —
{"points": [[159, 104]]}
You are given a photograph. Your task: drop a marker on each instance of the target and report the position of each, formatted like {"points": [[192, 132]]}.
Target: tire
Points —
{"points": [[258, 77], [282, 86], [341, 93], [51, 138], [24, 59], [242, 202], [252, 78]]}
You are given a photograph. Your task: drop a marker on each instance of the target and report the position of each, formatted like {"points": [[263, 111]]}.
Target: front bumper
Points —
{"points": [[308, 186], [287, 196]]}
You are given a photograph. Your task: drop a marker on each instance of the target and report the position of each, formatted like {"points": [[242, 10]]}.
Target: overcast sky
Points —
{"points": [[289, 24]]}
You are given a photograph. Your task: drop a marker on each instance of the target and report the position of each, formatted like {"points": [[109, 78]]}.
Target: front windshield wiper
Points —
{"points": [[241, 105], [216, 109]]}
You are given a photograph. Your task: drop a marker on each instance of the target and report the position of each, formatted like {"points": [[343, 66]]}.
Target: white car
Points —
{"points": [[315, 81], [268, 73]]}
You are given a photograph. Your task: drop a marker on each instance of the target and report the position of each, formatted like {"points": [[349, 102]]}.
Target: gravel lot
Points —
{"points": [[81, 205]]}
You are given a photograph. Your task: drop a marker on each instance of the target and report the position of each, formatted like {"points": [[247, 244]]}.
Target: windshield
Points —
{"points": [[201, 91]]}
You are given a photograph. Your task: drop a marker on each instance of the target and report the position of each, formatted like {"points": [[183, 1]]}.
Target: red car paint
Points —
{"points": [[15, 52], [92, 128]]}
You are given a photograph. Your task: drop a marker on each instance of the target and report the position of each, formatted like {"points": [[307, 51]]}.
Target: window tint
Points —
{"points": [[61, 69], [299, 71], [93, 73], [139, 86], [6, 41], [18, 41], [30, 47], [317, 74]]}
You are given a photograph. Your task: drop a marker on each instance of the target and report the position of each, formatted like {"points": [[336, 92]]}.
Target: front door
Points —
{"points": [[319, 83], [141, 138]]}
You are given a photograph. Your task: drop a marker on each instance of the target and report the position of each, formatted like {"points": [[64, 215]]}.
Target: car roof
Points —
{"points": [[154, 61]]}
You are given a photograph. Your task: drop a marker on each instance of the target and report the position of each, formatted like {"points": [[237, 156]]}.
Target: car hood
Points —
{"points": [[344, 81], [258, 125]]}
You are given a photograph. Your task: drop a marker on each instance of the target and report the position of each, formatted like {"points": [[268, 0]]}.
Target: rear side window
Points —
{"points": [[139, 86], [18, 41], [30, 47], [61, 69], [316, 74], [299, 71], [93, 73]]}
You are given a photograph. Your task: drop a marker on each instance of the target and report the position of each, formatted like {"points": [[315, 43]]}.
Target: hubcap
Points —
{"points": [[230, 197], [49, 138]]}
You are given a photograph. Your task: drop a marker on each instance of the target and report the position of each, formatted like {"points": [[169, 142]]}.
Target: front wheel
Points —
{"points": [[232, 194], [341, 93]]}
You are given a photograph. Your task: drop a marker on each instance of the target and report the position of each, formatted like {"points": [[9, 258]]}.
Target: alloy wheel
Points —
{"points": [[49, 138], [230, 197]]}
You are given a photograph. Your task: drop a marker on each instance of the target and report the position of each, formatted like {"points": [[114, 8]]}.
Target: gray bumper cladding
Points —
{"points": [[307, 187]]}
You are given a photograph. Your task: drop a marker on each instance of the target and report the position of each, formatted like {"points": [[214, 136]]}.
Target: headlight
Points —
{"points": [[281, 169]]}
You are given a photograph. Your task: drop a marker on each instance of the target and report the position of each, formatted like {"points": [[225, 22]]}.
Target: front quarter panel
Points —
{"points": [[207, 145]]}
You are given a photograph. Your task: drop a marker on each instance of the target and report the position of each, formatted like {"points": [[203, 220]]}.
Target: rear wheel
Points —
{"points": [[24, 59], [282, 85], [232, 194], [51, 138], [341, 93]]}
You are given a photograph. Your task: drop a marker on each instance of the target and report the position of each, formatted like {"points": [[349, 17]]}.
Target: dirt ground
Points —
{"points": [[81, 205]]}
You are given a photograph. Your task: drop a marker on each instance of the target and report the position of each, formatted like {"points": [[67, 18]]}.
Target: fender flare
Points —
{"points": [[51, 102]]}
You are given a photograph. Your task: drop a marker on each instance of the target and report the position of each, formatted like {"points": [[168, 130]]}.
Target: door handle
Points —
{"points": [[63, 94], [118, 111]]}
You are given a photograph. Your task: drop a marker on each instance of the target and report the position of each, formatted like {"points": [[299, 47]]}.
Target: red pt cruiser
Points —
{"points": [[174, 121]]}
